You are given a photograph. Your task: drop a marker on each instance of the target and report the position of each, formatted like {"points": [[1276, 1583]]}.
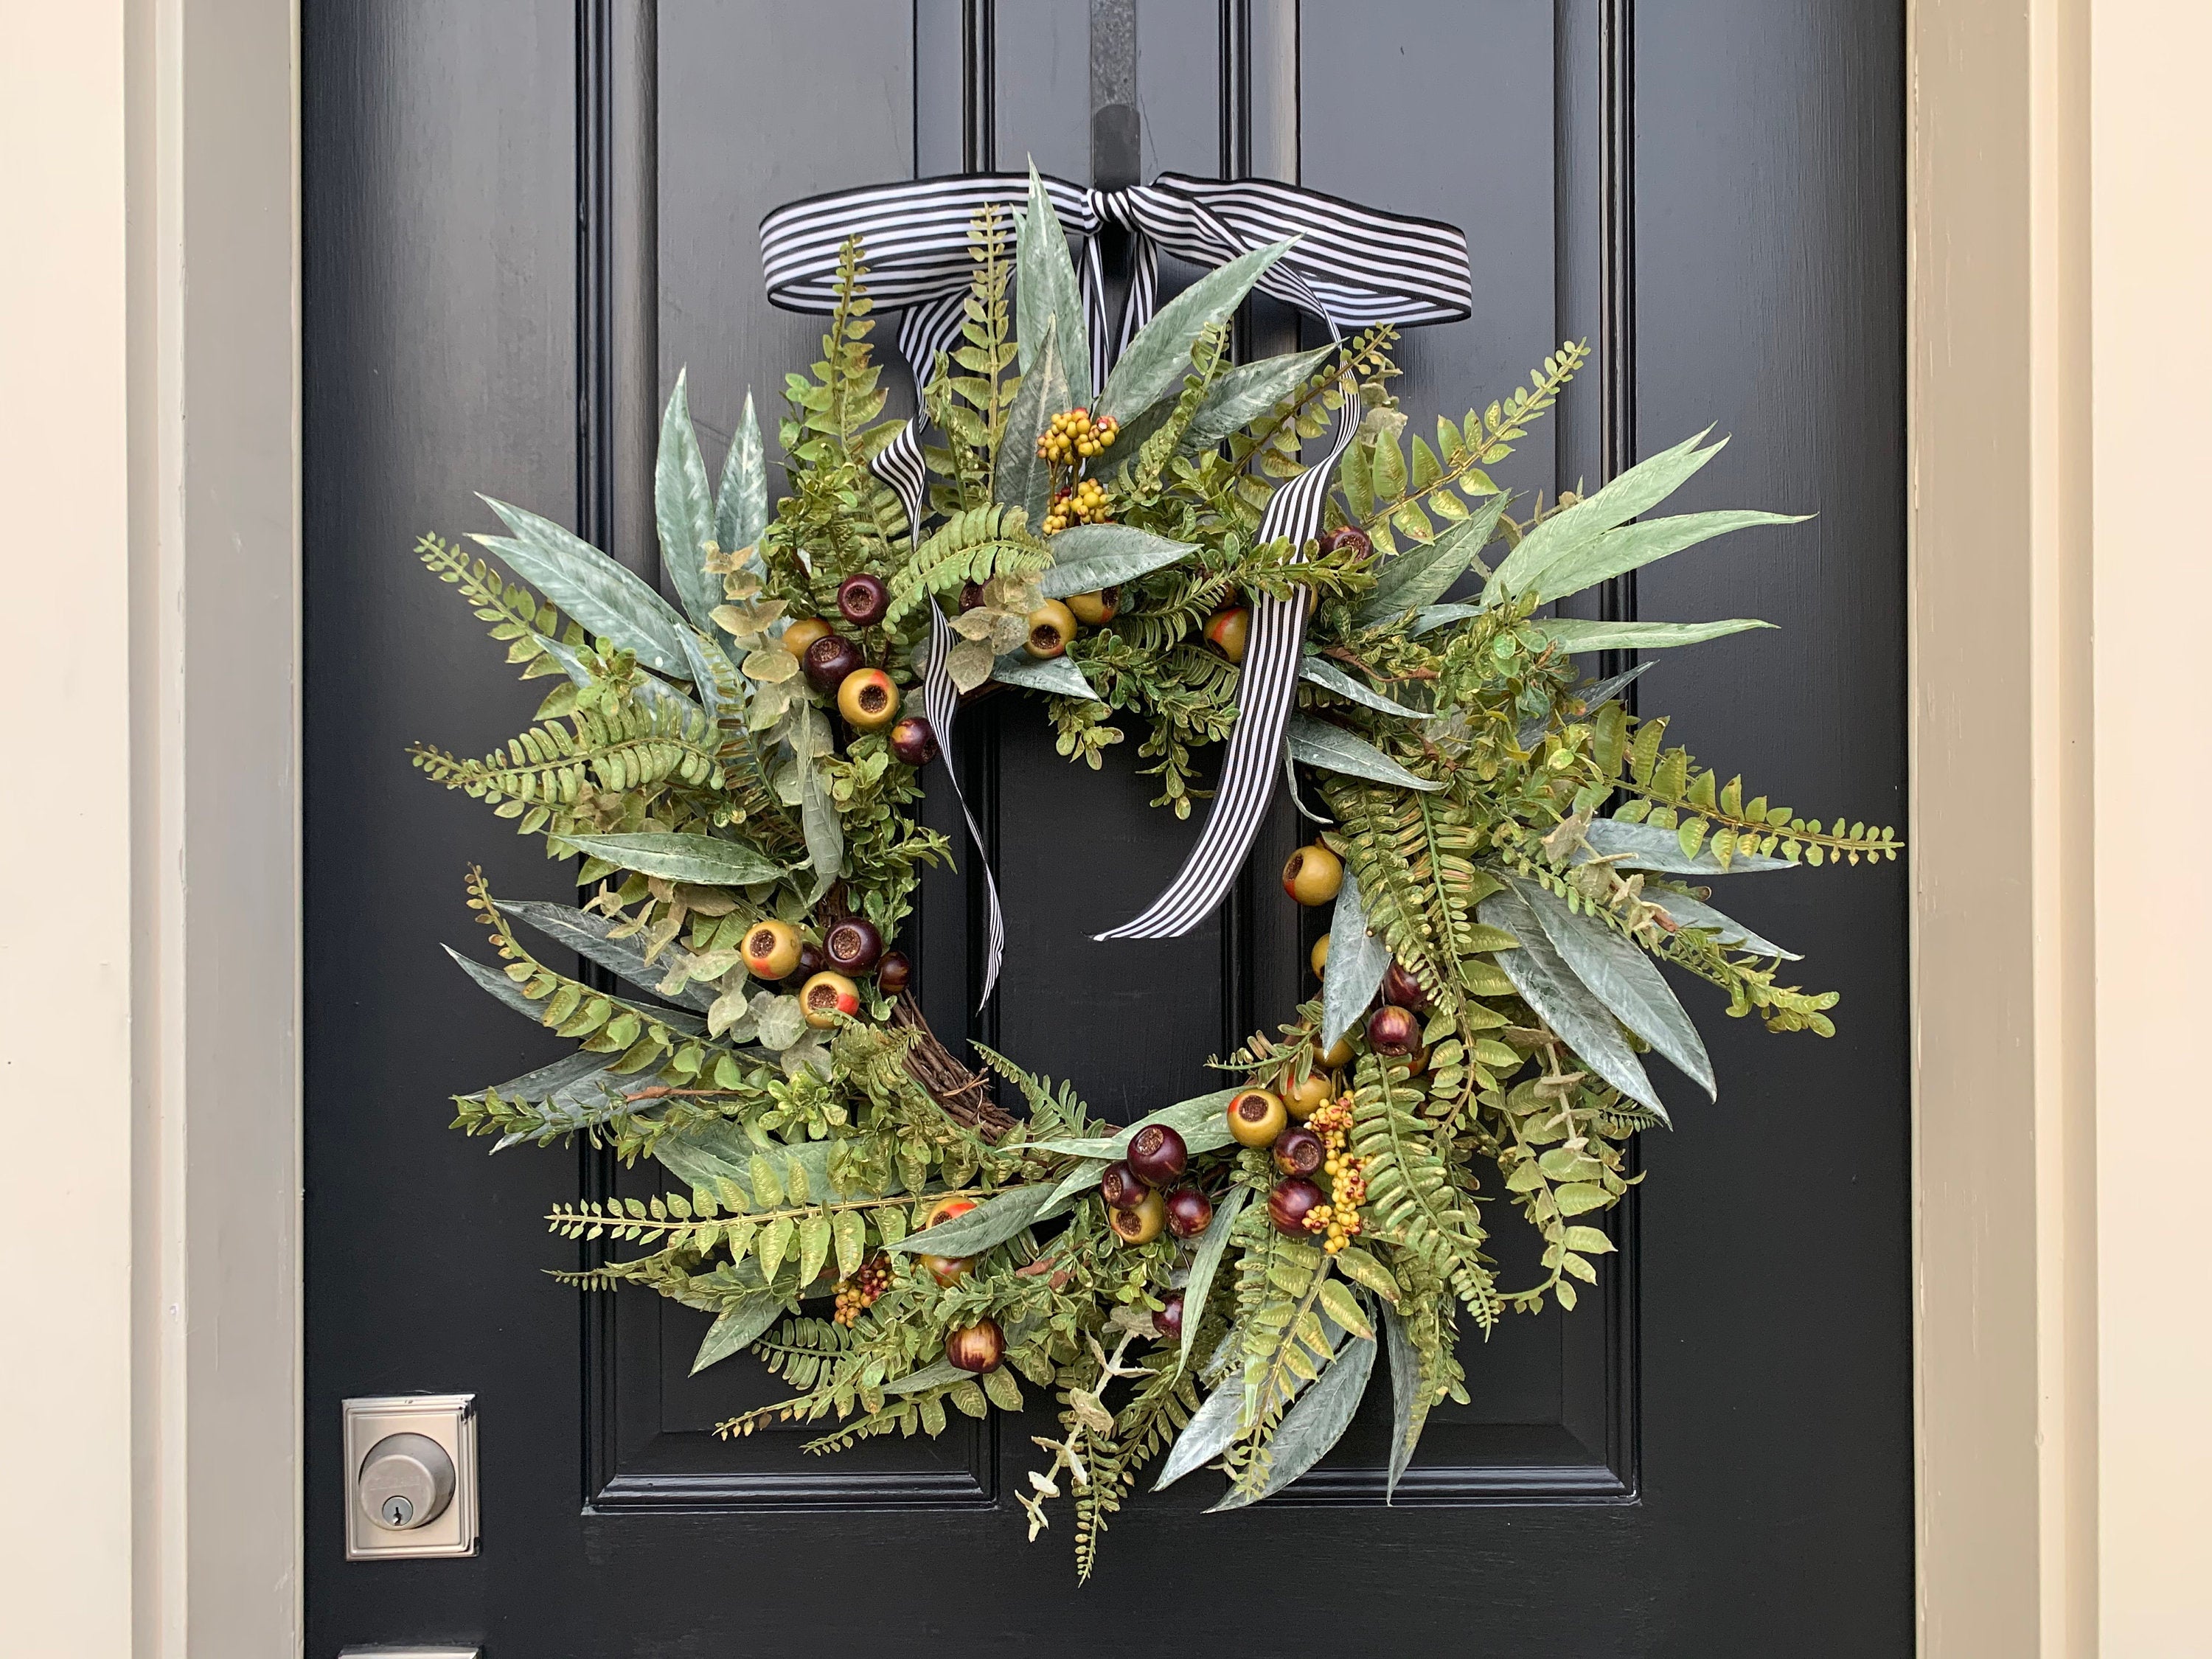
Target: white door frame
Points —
{"points": [[149, 434]]}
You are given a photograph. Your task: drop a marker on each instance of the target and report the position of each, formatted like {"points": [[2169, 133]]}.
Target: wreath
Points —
{"points": [[1507, 850]]}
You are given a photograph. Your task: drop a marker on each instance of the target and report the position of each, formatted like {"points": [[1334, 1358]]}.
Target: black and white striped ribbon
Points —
{"points": [[941, 699], [1350, 266]]}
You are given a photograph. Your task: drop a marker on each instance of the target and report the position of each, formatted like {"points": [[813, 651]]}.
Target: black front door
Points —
{"points": [[522, 219]]}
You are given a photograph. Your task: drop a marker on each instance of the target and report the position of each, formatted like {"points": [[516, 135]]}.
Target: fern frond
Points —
{"points": [[970, 547]]}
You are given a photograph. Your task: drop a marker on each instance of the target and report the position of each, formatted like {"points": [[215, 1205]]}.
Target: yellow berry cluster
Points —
{"points": [[1076, 434], [1085, 504], [856, 1295], [1348, 1178]]}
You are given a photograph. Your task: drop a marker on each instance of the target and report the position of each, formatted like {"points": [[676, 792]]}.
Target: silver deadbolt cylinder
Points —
{"points": [[406, 1481]]}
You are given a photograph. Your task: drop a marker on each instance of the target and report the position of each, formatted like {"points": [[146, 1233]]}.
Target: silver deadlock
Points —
{"points": [[410, 1476]]}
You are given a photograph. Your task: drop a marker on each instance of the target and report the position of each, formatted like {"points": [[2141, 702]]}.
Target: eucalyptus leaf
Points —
{"points": [[741, 503], [1357, 963], [1575, 634], [1313, 1424], [1647, 847], [1409, 1409], [933, 1375], [1561, 1001], [1046, 300], [992, 1222], [1201, 1120], [682, 856], [1625, 979], [1419, 577], [1089, 557], [824, 832], [1727, 930], [1207, 1436], [1590, 697], [1155, 362], [498, 984], [1323, 672], [1205, 1262], [684, 509], [1021, 477], [738, 1328], [548, 1081], [1058, 675], [1635, 545], [1331, 747], [588, 934], [606, 597], [1564, 534], [1082, 1175], [1246, 393], [1431, 617]]}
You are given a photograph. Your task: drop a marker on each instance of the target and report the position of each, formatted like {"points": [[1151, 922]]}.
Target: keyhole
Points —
{"points": [[397, 1511]]}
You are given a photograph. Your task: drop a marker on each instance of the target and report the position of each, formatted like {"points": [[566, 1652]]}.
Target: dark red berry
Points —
{"points": [[971, 595], [1190, 1212], [1168, 1322], [915, 741], [863, 600], [1346, 538], [1392, 1031], [1402, 990], [1297, 1152], [1120, 1188], [1291, 1201], [894, 973], [853, 945], [830, 660], [811, 961], [1158, 1155], [979, 1347]]}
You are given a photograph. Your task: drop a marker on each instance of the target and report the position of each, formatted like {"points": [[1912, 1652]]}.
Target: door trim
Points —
{"points": [[2025, 952]]}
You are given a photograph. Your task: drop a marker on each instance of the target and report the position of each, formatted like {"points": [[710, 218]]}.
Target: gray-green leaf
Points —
{"points": [[1246, 393], [1201, 1120], [1727, 930], [1409, 1408], [1159, 357], [992, 1222], [1564, 1002], [824, 833], [1058, 675], [684, 509], [1420, 577], [681, 855], [1206, 1260], [1207, 1436], [1323, 672], [741, 504], [1356, 961], [1046, 298], [1332, 748], [1647, 847], [1574, 634], [1624, 979], [738, 1328], [1087, 557], [606, 597], [1313, 1424], [587, 934], [1643, 487], [1021, 477]]}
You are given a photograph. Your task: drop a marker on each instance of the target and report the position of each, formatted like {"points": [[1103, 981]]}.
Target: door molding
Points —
{"points": [[2037, 284]]}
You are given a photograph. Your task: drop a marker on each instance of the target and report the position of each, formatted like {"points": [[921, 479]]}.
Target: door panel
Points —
{"points": [[522, 218]]}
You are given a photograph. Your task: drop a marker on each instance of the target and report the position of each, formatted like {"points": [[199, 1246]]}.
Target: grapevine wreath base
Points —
{"points": [[1506, 849]]}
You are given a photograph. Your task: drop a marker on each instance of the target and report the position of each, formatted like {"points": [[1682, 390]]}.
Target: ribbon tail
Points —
{"points": [[941, 699]]}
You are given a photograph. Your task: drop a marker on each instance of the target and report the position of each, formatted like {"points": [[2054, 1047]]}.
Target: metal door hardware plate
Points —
{"points": [[411, 1653], [410, 1488]]}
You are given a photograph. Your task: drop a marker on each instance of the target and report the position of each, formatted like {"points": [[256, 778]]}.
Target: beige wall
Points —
{"points": [[2062, 361]]}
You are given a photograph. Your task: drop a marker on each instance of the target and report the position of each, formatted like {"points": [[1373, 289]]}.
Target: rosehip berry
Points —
{"points": [[1392, 1031], [826, 996], [1140, 1226], [894, 973], [1227, 630], [1303, 1100], [1093, 610], [830, 660], [915, 741], [1346, 538], [1297, 1152], [868, 699], [1293, 1197], [1119, 1185], [1401, 989], [853, 945], [803, 634], [811, 962], [1256, 1117], [1190, 1211], [1158, 1155], [1052, 625], [1168, 1322], [1314, 875], [978, 1347], [863, 600], [771, 949]]}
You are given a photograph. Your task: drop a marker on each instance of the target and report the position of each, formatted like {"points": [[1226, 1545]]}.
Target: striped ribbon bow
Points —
{"points": [[1349, 266]]}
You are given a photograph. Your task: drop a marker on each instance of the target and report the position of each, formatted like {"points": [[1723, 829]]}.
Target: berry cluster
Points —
{"points": [[856, 1295], [1348, 1178], [1076, 433], [1085, 504]]}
